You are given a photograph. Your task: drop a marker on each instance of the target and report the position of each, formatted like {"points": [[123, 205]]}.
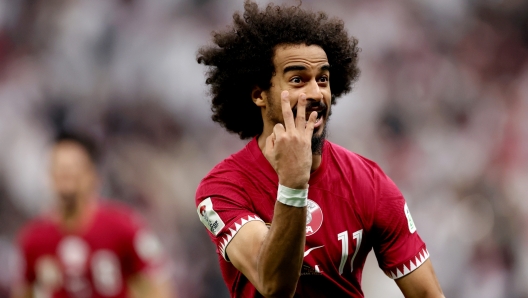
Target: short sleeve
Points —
{"points": [[223, 207], [398, 247], [144, 250]]}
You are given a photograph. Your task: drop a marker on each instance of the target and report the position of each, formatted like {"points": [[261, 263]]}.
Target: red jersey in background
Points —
{"points": [[94, 262]]}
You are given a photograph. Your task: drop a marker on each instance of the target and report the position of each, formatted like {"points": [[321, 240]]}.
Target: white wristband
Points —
{"points": [[292, 197]]}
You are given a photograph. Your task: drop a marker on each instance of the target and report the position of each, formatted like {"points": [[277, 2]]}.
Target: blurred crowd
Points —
{"points": [[441, 105]]}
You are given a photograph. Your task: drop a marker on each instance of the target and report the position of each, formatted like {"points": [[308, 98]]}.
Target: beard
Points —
{"points": [[319, 134], [318, 141]]}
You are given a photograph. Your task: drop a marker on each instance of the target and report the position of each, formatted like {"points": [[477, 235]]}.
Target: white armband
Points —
{"points": [[292, 197]]}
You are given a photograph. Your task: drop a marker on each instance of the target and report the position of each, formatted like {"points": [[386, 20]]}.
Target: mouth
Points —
{"points": [[321, 114], [319, 119]]}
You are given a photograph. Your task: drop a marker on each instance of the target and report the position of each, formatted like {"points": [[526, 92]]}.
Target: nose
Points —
{"points": [[313, 91]]}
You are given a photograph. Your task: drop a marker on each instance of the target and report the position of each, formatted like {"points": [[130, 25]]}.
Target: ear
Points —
{"points": [[258, 96]]}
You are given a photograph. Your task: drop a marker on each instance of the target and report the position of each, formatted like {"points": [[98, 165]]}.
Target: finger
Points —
{"points": [[311, 123], [300, 121], [287, 112], [278, 131]]}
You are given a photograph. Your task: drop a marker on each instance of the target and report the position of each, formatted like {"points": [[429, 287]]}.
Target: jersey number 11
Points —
{"points": [[343, 237]]}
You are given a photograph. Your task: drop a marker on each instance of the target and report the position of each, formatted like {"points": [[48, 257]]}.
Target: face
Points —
{"points": [[73, 173], [299, 69]]}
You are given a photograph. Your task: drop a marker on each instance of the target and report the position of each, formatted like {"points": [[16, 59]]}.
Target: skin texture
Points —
{"points": [[311, 79], [272, 258], [421, 283], [75, 181]]}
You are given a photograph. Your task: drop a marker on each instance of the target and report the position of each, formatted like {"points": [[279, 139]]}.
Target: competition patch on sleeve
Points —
{"points": [[410, 222], [209, 217]]}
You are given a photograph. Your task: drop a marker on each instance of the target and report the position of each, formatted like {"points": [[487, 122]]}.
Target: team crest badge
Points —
{"points": [[314, 218]]}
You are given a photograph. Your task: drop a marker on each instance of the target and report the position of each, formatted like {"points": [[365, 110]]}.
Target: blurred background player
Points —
{"points": [[85, 247]]}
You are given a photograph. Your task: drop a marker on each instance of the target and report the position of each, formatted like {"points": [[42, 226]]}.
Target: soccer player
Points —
{"points": [[86, 247], [292, 214]]}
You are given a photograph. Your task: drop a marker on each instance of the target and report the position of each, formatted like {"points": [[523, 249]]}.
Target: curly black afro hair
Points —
{"points": [[242, 58]]}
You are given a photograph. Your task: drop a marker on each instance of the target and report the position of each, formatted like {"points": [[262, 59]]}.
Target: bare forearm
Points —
{"points": [[288, 149], [421, 283], [281, 255]]}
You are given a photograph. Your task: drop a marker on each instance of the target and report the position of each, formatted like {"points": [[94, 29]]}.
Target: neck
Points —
{"points": [[75, 215], [316, 158]]}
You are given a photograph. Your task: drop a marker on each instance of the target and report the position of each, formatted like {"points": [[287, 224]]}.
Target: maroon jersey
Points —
{"points": [[353, 207], [94, 262]]}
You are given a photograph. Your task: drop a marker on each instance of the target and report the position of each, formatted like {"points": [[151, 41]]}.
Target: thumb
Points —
{"points": [[270, 142], [268, 149]]}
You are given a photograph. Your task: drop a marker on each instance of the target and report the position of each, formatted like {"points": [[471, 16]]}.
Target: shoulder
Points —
{"points": [[119, 214], [367, 180], [34, 229], [231, 172], [344, 154], [235, 163], [354, 163]]}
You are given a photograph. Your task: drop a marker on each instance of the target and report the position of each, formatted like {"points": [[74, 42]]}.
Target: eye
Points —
{"points": [[296, 80], [323, 79]]}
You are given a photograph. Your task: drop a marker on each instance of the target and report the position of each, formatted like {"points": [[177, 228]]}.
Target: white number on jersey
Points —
{"points": [[343, 237]]}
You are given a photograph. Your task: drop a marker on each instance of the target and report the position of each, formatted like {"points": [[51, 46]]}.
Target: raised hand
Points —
{"points": [[288, 148]]}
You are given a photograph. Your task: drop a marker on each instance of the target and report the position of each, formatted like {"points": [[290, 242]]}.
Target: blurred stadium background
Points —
{"points": [[441, 105]]}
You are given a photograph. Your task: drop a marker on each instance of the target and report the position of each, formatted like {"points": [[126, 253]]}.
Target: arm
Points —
{"points": [[421, 283], [272, 259]]}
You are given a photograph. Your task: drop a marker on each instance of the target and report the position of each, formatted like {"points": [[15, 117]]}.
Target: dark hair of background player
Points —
{"points": [[242, 58], [85, 141]]}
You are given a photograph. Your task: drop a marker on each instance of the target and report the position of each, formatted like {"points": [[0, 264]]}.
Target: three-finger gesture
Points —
{"points": [[288, 148]]}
